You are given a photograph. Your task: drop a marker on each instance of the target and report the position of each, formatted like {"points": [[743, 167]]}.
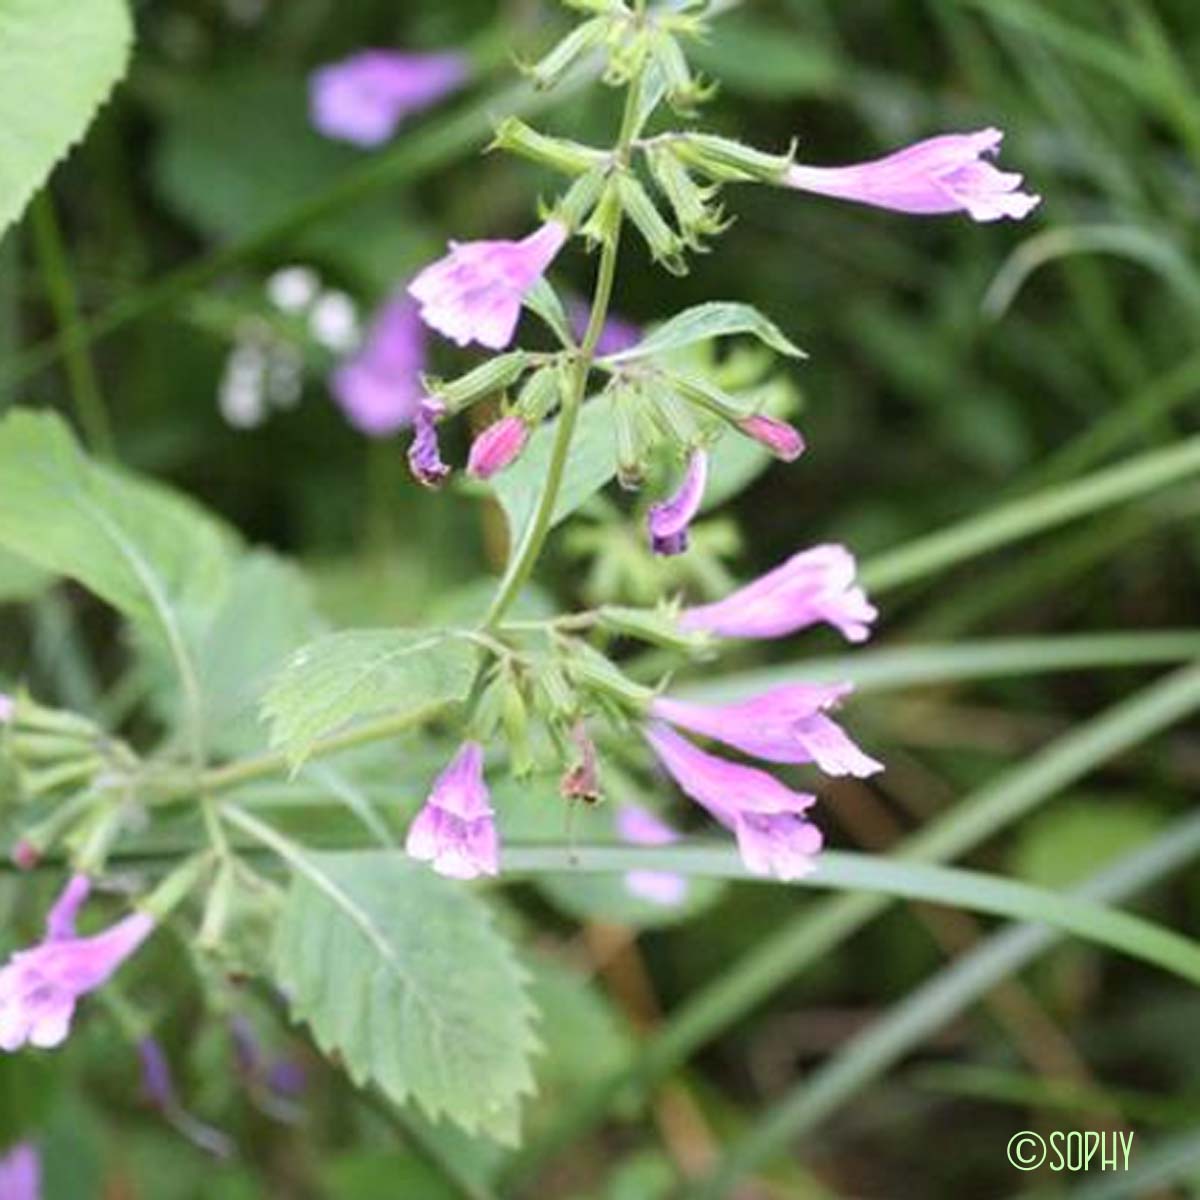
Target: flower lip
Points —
{"points": [[474, 293], [786, 724], [945, 174], [813, 586], [668, 520], [424, 454], [455, 831]]}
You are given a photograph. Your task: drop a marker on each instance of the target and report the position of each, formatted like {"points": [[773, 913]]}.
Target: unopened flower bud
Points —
{"points": [[25, 855], [779, 437], [665, 245], [560, 154], [492, 376], [549, 69], [497, 446]]}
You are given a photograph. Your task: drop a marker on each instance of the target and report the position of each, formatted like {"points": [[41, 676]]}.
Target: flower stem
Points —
{"points": [[533, 539]]}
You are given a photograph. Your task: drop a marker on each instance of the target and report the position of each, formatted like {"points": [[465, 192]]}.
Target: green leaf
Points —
{"points": [[149, 552], [401, 973], [973, 891], [20, 579], [365, 672], [707, 321], [593, 462], [267, 613], [58, 63]]}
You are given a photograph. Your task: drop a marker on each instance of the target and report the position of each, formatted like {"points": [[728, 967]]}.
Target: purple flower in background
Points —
{"points": [[787, 724], [474, 293], [810, 587], [159, 1089], [455, 831], [157, 1084], [940, 175], [767, 818], [668, 521], [7, 707], [362, 99], [778, 436], [424, 455], [640, 827], [617, 334], [287, 1077], [39, 986], [21, 1173], [497, 446], [379, 387]]}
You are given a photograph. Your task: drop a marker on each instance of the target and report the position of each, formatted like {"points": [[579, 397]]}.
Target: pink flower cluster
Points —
{"points": [[456, 832]]}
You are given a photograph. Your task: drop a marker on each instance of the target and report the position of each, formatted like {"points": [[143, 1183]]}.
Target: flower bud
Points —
{"points": [[581, 198], [655, 626], [539, 396], [689, 201], [779, 437], [595, 673], [515, 716], [665, 245], [727, 161], [492, 376], [684, 91], [635, 432], [602, 226], [560, 154], [551, 67], [705, 394], [497, 447]]}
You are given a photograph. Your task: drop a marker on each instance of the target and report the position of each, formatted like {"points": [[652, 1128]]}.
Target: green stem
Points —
{"points": [[60, 287], [533, 539]]}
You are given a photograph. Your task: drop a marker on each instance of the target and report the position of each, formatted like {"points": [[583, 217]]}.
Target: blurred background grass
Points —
{"points": [[952, 366]]}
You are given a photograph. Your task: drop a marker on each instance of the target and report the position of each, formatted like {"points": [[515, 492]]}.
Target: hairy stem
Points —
{"points": [[533, 539]]}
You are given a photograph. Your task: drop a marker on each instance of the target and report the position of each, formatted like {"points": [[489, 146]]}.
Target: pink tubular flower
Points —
{"points": [[424, 455], [786, 724], [779, 437], [640, 827], [379, 387], [39, 986], [668, 522], [7, 707], [455, 831], [474, 293], [812, 586], [21, 1173], [940, 175], [767, 818], [364, 97], [497, 446]]}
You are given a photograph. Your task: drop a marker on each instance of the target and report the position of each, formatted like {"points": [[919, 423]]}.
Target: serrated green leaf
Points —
{"points": [[267, 613], [58, 63], [364, 672], [403, 975], [149, 552], [593, 462], [707, 321]]}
